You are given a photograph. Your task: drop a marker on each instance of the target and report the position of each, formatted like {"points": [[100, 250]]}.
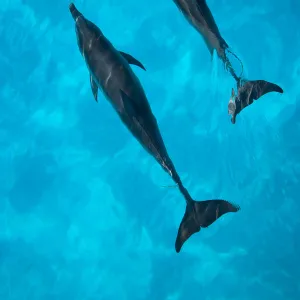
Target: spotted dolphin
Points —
{"points": [[110, 71]]}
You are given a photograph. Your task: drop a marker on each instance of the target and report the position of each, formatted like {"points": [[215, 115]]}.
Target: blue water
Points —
{"points": [[83, 215]]}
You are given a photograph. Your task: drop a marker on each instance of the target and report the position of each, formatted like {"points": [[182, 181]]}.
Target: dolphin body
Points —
{"points": [[110, 71], [200, 17]]}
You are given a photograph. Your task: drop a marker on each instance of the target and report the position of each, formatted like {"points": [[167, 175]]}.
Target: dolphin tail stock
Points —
{"points": [[229, 67], [201, 214]]}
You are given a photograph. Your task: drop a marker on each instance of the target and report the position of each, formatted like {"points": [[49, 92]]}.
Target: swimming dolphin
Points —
{"points": [[199, 15], [110, 71]]}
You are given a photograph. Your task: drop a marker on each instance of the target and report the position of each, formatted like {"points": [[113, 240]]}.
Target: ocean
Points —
{"points": [[87, 214]]}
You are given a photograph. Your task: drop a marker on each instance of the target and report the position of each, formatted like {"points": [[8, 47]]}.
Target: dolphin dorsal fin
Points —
{"points": [[131, 60]]}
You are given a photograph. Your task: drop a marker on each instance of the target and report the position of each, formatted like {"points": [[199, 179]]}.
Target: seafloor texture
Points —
{"points": [[82, 212]]}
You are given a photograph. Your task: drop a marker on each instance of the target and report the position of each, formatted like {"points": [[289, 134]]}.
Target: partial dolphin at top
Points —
{"points": [[200, 17]]}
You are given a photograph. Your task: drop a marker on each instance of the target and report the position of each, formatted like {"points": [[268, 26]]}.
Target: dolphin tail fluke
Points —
{"points": [[257, 88], [201, 214], [74, 11], [248, 91]]}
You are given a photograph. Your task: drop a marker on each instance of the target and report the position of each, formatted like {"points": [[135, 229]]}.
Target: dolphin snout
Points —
{"points": [[74, 11]]}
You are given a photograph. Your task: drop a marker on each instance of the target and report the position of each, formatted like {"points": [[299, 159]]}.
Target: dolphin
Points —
{"points": [[200, 17], [110, 71]]}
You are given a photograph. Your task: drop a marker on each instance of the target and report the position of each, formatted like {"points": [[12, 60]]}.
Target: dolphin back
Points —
{"points": [[210, 20]]}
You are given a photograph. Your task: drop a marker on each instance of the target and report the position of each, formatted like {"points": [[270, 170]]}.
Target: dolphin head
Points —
{"points": [[232, 106], [86, 31], [74, 12]]}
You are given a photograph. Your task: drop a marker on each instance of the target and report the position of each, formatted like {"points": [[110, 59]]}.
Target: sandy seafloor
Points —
{"points": [[82, 212]]}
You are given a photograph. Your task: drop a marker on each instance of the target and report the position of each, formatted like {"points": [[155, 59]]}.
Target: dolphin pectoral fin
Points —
{"points": [[201, 214], [94, 87], [131, 60]]}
